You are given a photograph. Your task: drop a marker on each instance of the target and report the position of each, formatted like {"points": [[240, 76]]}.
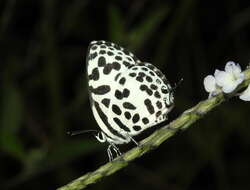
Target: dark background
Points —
{"points": [[43, 91]]}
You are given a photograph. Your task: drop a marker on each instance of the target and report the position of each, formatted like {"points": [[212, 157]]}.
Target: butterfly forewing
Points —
{"points": [[105, 62]]}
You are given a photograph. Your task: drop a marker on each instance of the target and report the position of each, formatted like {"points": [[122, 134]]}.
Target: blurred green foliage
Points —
{"points": [[44, 90]]}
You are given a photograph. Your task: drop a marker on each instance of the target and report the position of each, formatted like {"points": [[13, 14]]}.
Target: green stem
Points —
{"points": [[184, 121]]}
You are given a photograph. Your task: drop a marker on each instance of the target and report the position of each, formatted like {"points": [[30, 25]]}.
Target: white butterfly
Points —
{"points": [[127, 96]]}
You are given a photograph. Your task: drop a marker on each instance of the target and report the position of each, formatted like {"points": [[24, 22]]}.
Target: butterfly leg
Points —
{"points": [[110, 153], [132, 139], [113, 147], [116, 149]]}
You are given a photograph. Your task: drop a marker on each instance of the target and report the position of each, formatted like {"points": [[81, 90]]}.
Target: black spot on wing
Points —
{"points": [[158, 114], [116, 66], [151, 73], [101, 61], [125, 93], [149, 92], [116, 109], [137, 127], [110, 53], [164, 91], [106, 102], [127, 115], [117, 76], [105, 121], [100, 90], [139, 79], [143, 87], [157, 94], [122, 81], [153, 87], [159, 104], [136, 118], [128, 105], [141, 74], [129, 58], [94, 75], [149, 79], [149, 106], [132, 74], [107, 69], [119, 58], [127, 64], [121, 125], [145, 120], [94, 47], [102, 52], [118, 94]]}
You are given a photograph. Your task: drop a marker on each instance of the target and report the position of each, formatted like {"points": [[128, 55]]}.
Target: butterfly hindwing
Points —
{"points": [[142, 103]]}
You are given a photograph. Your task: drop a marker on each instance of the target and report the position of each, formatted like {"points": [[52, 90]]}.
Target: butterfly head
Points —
{"points": [[168, 95]]}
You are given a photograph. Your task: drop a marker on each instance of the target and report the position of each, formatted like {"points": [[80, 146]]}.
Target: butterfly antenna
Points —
{"points": [[177, 85], [78, 132]]}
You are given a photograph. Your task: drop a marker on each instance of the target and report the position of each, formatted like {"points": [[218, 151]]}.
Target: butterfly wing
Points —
{"points": [[126, 95], [145, 98], [106, 61]]}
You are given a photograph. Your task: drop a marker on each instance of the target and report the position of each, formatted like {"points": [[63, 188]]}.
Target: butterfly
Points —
{"points": [[126, 95]]}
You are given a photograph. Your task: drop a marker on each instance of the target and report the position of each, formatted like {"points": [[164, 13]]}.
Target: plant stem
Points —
{"points": [[184, 121]]}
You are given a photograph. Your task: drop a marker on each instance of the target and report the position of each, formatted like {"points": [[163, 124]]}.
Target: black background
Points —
{"points": [[43, 91]]}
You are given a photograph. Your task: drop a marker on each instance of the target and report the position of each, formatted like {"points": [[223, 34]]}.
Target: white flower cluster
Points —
{"points": [[226, 81]]}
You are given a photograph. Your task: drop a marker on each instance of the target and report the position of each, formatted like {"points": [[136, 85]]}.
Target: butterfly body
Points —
{"points": [[127, 96]]}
